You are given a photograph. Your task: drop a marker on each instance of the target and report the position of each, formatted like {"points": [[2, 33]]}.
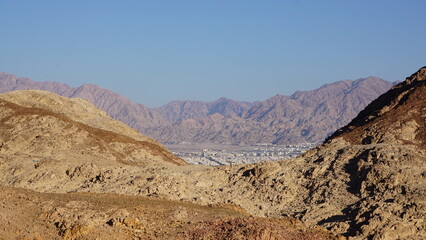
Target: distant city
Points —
{"points": [[219, 155]]}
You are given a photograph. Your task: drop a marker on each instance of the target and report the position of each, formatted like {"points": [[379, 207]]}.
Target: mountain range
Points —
{"points": [[305, 116]]}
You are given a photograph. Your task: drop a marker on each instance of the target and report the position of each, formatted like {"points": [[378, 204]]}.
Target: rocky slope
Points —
{"points": [[30, 215], [367, 181], [39, 127], [54, 144], [307, 116], [373, 170]]}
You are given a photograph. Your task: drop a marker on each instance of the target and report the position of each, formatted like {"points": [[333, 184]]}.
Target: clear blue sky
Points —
{"points": [[157, 51]]}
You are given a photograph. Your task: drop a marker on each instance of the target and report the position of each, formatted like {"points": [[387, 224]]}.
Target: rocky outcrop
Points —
{"points": [[368, 179], [398, 116]]}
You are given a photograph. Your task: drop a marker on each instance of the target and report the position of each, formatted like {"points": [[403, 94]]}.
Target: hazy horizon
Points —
{"points": [[157, 52], [195, 100]]}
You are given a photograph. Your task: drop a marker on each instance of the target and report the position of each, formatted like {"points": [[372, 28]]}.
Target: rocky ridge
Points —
{"points": [[38, 127], [306, 116]]}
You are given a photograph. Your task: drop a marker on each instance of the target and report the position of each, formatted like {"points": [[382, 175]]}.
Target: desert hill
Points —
{"points": [[39, 127], [367, 181], [57, 145], [374, 168], [398, 116], [305, 116]]}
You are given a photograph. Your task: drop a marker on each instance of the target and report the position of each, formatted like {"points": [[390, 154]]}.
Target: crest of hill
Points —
{"points": [[368, 179], [398, 116], [77, 109], [46, 125]]}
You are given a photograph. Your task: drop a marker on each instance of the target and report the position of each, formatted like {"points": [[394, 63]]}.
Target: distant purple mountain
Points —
{"points": [[305, 116]]}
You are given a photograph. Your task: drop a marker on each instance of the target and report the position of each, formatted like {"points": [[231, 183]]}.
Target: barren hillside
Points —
{"points": [[30, 215], [367, 181], [57, 145]]}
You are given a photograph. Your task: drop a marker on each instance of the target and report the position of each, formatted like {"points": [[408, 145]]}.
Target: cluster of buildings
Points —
{"points": [[247, 154]]}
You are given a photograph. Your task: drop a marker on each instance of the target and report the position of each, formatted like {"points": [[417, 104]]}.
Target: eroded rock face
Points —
{"points": [[375, 168], [372, 191], [396, 117]]}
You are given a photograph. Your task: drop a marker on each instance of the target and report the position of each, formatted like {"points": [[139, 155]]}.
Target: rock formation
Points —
{"points": [[39, 128]]}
